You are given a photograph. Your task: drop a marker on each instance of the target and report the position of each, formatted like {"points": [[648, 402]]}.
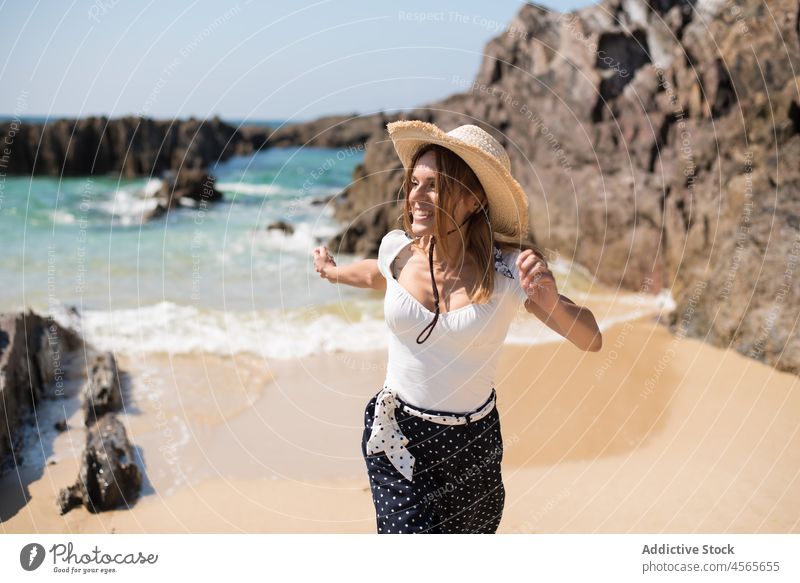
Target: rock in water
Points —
{"points": [[284, 226], [109, 476], [189, 187], [192, 184], [102, 392]]}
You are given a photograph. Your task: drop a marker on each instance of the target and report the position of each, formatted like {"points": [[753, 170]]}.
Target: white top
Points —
{"points": [[454, 369]]}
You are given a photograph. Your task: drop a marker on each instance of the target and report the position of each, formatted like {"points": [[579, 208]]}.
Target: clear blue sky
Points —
{"points": [[241, 60]]}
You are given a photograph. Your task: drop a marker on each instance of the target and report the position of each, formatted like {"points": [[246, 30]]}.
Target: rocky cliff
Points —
{"points": [[127, 146], [134, 147], [658, 144]]}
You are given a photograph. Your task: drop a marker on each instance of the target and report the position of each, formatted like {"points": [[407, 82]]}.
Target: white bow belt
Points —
{"points": [[387, 437]]}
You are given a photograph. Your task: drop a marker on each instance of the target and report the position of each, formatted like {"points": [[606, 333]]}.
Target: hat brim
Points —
{"points": [[508, 204]]}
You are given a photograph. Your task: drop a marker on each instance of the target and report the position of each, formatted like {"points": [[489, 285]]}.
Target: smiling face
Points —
{"points": [[423, 199]]}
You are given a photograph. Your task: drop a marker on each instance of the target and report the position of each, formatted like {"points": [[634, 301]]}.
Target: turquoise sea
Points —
{"points": [[203, 279]]}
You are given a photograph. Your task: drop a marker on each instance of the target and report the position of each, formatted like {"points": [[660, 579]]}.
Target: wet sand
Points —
{"points": [[652, 434]]}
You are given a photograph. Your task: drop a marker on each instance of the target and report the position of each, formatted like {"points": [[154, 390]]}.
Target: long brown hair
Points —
{"points": [[455, 179]]}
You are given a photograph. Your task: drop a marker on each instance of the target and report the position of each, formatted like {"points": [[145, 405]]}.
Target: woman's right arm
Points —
{"points": [[364, 273]]}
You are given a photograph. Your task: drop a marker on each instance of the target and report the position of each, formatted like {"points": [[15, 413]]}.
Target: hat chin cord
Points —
{"points": [[429, 327]]}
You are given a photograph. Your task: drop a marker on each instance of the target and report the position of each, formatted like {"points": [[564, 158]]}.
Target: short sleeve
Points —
{"points": [[390, 246], [510, 260]]}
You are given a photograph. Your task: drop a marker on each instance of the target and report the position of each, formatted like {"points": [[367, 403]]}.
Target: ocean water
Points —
{"points": [[208, 278]]}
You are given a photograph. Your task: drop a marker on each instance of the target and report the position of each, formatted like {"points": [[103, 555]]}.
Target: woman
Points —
{"points": [[455, 277]]}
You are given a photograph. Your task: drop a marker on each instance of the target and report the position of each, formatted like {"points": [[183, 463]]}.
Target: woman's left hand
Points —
{"points": [[537, 280]]}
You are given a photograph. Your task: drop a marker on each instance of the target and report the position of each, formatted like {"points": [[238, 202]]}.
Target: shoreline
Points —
{"points": [[273, 446]]}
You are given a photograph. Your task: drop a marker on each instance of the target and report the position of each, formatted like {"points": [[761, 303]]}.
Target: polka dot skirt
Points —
{"points": [[457, 485]]}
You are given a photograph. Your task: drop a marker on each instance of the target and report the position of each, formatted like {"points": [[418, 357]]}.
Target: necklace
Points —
{"points": [[429, 327]]}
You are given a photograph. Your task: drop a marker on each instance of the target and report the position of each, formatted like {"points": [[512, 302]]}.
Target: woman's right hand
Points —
{"points": [[322, 260]]}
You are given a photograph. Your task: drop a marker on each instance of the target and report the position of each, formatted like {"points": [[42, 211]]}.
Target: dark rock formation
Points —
{"points": [[186, 187], [108, 477], [287, 228], [195, 185], [102, 392], [664, 137], [129, 146], [323, 200], [133, 146], [335, 131], [31, 352]]}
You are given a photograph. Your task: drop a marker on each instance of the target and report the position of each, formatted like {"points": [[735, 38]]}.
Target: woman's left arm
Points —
{"points": [[575, 323]]}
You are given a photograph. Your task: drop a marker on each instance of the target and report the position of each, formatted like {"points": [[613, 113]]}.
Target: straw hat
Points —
{"points": [[508, 205]]}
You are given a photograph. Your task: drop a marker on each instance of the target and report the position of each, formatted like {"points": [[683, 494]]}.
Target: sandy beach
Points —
{"points": [[655, 433], [170, 175]]}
